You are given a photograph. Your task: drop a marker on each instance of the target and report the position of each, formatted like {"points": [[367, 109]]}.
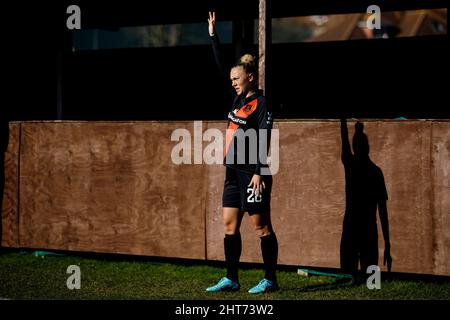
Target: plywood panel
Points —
{"points": [[402, 151], [112, 187], [109, 187], [441, 197], [10, 212], [306, 206], [308, 199], [214, 176], [308, 195]]}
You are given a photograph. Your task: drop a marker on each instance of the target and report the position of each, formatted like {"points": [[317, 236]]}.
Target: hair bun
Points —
{"points": [[248, 59]]}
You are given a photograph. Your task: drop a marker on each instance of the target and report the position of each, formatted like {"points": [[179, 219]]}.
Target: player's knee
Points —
{"points": [[262, 231], [229, 227]]}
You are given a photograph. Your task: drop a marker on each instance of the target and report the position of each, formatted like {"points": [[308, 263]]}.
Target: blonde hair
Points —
{"points": [[247, 58], [248, 63]]}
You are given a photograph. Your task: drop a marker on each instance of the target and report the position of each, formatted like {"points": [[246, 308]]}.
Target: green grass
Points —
{"points": [[25, 276]]}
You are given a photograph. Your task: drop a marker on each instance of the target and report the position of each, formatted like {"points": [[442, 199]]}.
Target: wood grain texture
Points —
{"points": [[262, 43], [440, 153], [10, 210], [308, 198], [302, 198], [109, 187], [112, 187], [402, 151], [214, 176]]}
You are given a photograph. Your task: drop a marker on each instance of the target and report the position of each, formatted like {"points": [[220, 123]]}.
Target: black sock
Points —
{"points": [[233, 248], [269, 248]]}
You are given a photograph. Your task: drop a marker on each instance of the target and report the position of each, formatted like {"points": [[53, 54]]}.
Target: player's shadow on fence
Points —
{"points": [[365, 191]]}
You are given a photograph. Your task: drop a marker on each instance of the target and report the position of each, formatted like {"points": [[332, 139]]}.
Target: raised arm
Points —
{"points": [[218, 57], [212, 24], [346, 153], [215, 42]]}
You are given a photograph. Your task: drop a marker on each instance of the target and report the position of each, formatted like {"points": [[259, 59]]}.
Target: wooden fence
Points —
{"points": [[112, 187]]}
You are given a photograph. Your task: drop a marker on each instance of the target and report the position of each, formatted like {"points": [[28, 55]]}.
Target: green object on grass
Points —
{"points": [[47, 254], [309, 273]]}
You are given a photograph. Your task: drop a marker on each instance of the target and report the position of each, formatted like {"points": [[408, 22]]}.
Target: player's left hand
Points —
{"points": [[257, 184]]}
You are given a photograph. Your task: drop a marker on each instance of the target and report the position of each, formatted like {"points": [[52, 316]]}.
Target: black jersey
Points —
{"points": [[249, 128]]}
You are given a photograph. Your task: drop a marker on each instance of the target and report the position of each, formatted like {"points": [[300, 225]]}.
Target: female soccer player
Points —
{"points": [[248, 182]]}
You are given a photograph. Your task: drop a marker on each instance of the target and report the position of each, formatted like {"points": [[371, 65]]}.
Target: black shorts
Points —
{"points": [[237, 194]]}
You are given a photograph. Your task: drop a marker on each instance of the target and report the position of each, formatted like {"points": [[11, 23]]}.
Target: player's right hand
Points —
{"points": [[212, 23]]}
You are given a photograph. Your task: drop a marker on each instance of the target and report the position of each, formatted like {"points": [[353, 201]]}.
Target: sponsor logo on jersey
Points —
{"points": [[235, 119]]}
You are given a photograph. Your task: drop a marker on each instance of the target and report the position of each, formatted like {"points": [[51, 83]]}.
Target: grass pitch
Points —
{"points": [[25, 276]]}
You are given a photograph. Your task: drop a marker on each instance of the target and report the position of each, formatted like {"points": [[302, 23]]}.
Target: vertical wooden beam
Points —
{"points": [[265, 39]]}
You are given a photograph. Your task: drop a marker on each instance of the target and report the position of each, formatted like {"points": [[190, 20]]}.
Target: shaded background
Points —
{"points": [[50, 78]]}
